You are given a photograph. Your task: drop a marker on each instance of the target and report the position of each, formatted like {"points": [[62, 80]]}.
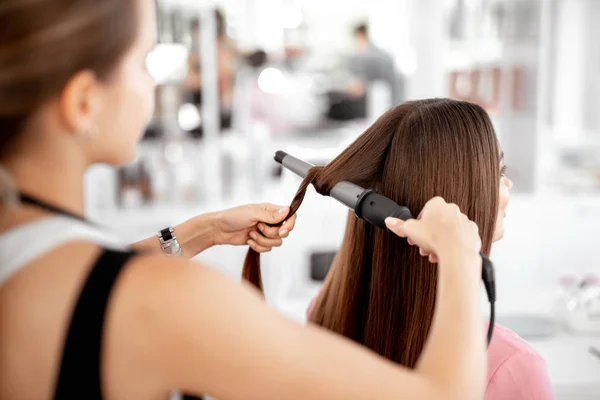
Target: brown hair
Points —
{"points": [[43, 43], [380, 292]]}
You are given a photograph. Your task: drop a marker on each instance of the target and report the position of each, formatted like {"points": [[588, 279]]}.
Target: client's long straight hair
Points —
{"points": [[380, 292]]}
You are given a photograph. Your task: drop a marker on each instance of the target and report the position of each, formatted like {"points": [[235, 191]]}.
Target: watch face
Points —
{"points": [[174, 249]]}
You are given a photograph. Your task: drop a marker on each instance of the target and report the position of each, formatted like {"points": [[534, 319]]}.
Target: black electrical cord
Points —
{"points": [[492, 320], [489, 282]]}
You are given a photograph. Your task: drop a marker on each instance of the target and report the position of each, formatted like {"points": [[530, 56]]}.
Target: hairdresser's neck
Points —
{"points": [[51, 172]]}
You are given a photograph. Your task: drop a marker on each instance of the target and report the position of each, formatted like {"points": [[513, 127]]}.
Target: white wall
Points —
{"points": [[592, 71], [568, 80], [575, 78], [428, 37]]}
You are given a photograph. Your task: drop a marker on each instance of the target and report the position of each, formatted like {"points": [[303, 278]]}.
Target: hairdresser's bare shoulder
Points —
{"points": [[35, 309], [36, 305], [182, 316]]}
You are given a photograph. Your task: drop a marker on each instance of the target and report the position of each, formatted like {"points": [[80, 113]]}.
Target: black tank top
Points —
{"points": [[79, 375]]}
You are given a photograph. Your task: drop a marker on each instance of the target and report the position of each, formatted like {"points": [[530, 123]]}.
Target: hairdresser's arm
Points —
{"points": [[456, 346], [244, 225], [452, 353], [205, 333]]}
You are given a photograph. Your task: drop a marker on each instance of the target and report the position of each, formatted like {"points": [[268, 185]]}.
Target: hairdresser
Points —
{"points": [[83, 316]]}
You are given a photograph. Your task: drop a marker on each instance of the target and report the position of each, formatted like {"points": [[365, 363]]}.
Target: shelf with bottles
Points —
{"points": [[502, 20], [493, 53]]}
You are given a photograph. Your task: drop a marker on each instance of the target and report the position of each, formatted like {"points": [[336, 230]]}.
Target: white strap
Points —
{"points": [[22, 245]]}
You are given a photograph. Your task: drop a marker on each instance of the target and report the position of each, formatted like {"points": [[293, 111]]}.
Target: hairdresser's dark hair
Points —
{"points": [[43, 43], [380, 292]]}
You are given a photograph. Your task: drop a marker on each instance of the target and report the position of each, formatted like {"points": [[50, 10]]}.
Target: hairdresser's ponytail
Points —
{"points": [[251, 270]]}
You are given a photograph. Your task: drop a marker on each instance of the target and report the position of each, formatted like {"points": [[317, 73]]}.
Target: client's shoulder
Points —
{"points": [[515, 369], [507, 344]]}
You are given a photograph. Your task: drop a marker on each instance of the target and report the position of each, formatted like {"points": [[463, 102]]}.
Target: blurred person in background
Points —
{"points": [[367, 65], [370, 64]]}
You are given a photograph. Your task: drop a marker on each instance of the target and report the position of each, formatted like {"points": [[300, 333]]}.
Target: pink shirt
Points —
{"points": [[515, 370]]}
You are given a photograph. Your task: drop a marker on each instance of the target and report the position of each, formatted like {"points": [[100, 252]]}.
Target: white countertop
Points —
{"points": [[574, 371]]}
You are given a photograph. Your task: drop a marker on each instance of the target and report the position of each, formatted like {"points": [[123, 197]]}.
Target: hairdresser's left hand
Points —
{"points": [[247, 225]]}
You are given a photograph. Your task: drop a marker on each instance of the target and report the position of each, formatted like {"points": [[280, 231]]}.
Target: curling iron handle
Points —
{"points": [[375, 208]]}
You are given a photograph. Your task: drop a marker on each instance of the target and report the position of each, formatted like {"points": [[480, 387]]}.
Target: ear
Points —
{"points": [[79, 102]]}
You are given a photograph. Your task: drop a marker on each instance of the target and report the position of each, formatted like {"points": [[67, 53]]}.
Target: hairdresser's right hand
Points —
{"points": [[441, 230]]}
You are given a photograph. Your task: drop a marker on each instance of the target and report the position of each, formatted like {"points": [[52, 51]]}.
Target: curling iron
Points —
{"points": [[375, 208]]}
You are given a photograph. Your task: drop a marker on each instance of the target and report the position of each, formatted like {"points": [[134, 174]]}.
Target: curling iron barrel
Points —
{"points": [[366, 203]]}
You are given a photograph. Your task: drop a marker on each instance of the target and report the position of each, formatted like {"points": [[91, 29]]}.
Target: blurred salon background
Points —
{"points": [[241, 79]]}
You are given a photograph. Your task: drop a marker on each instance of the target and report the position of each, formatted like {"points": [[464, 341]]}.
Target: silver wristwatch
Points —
{"points": [[169, 243]]}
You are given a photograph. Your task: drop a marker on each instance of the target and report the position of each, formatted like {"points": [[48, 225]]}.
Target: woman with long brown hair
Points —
{"points": [[85, 316], [380, 291]]}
